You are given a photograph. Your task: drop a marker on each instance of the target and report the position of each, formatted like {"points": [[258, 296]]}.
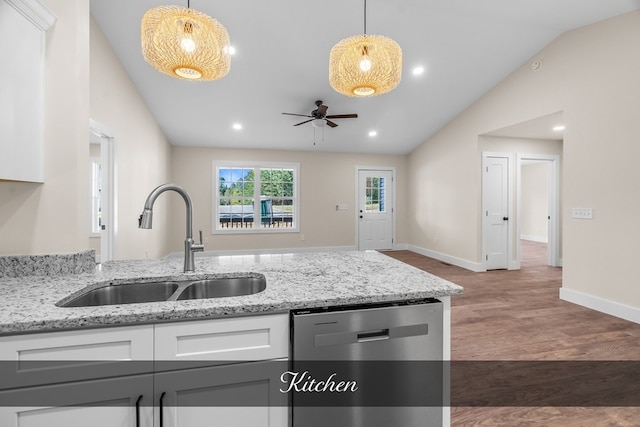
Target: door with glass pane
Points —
{"points": [[375, 209]]}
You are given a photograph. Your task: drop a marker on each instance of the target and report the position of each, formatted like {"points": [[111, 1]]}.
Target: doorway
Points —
{"points": [[103, 191], [375, 221], [503, 219], [538, 201]]}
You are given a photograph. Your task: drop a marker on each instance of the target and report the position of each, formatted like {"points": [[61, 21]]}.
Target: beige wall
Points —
{"points": [[591, 74], [54, 217], [326, 179], [142, 151]]}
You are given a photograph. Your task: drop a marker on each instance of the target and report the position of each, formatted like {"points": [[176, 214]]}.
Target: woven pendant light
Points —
{"points": [[365, 65], [185, 43]]}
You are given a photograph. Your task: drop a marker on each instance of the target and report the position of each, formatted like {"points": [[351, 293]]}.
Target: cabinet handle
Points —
{"points": [[161, 409], [138, 411]]}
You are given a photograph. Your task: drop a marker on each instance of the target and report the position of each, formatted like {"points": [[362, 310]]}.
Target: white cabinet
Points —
{"points": [[190, 369], [195, 396], [225, 393], [97, 403], [23, 24], [74, 355], [239, 338]]}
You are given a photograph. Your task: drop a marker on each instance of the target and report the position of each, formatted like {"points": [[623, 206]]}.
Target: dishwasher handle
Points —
{"points": [[375, 335], [346, 337]]}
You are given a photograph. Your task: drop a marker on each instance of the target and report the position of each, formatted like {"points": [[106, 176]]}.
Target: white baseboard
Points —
{"points": [[602, 305], [266, 251], [459, 262], [539, 239], [401, 247]]}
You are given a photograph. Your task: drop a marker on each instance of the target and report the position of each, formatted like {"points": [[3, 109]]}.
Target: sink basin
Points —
{"points": [[130, 293], [223, 287], [125, 294]]}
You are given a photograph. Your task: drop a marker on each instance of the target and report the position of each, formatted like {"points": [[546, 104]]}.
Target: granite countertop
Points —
{"points": [[296, 280]]}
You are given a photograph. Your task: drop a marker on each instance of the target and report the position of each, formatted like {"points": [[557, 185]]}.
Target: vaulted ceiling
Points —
{"points": [[282, 59]]}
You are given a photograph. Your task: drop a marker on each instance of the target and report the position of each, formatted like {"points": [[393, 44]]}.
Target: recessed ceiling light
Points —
{"points": [[230, 50], [418, 70], [558, 128], [373, 133], [237, 126]]}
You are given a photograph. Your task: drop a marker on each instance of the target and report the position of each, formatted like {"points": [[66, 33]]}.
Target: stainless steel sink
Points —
{"points": [[125, 294], [131, 293], [225, 287]]}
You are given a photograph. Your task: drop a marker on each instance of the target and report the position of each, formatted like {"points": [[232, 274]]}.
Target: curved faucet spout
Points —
{"points": [[147, 214], [146, 220]]}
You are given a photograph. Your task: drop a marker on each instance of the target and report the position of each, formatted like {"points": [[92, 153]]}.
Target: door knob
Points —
{"points": [[505, 218]]}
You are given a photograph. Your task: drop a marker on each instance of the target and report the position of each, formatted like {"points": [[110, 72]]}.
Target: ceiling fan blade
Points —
{"points": [[301, 115], [330, 123], [306, 121], [322, 110], [343, 116]]}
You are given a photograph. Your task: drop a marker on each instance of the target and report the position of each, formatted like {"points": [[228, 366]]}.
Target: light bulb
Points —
{"points": [[365, 64], [187, 44]]}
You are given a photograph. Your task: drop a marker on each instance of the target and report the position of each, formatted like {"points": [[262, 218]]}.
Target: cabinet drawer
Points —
{"points": [[74, 355], [223, 340]]}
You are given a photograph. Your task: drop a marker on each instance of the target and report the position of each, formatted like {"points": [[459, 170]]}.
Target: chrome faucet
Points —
{"points": [[146, 219]]}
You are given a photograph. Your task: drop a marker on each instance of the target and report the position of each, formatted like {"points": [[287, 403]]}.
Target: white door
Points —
{"points": [[375, 209], [495, 211]]}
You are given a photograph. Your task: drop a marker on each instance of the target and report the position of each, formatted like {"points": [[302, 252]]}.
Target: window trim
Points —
{"points": [[217, 164]]}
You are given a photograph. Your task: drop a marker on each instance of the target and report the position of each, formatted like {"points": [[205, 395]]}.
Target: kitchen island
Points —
{"points": [[140, 362]]}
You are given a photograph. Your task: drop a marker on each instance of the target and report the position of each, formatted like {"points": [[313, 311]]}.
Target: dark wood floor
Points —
{"points": [[516, 316]]}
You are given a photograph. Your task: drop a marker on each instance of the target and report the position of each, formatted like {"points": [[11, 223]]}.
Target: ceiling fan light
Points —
{"points": [[318, 123], [185, 43], [365, 65]]}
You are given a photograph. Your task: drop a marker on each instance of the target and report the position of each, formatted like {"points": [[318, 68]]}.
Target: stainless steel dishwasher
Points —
{"points": [[361, 343]]}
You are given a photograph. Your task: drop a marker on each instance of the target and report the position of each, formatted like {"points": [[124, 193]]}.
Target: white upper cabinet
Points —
{"points": [[23, 26]]}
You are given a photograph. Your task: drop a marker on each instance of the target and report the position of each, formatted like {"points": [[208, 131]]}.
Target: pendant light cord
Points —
{"points": [[365, 17]]}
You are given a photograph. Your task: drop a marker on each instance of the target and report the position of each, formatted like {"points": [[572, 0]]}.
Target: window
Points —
{"points": [[375, 195], [254, 197]]}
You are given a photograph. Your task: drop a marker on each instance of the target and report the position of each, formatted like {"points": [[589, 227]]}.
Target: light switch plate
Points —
{"points": [[582, 213]]}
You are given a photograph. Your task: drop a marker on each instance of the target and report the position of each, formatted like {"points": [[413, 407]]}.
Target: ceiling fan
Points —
{"points": [[319, 116]]}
